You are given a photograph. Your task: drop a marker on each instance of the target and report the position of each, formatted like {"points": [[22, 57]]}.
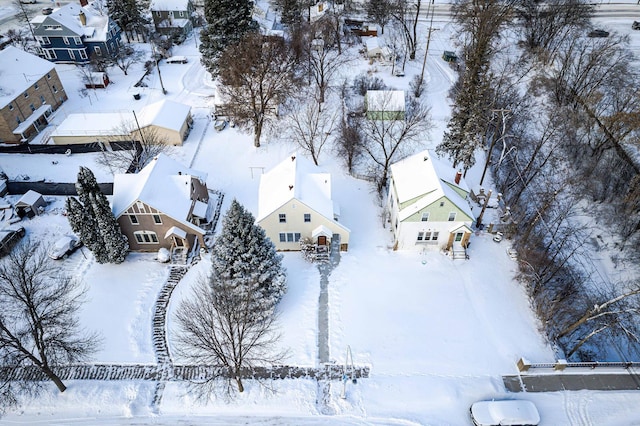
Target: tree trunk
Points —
{"points": [[239, 382], [55, 379]]}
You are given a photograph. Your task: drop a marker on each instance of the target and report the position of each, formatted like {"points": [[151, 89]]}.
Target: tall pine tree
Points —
{"points": [[93, 221], [227, 22], [244, 255]]}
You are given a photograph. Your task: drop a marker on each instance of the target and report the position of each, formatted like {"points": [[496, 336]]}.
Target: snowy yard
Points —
{"points": [[436, 333]]}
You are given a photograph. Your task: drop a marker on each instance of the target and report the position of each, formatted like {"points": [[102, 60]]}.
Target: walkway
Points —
{"points": [[175, 373]]}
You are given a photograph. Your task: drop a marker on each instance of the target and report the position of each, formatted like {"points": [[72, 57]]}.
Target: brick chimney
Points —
{"points": [[457, 178], [83, 3]]}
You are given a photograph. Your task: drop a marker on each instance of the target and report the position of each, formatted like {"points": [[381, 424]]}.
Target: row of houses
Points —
{"points": [[75, 32], [167, 205], [31, 92]]}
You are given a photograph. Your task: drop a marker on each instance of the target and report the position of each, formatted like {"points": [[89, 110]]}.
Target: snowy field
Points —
{"points": [[437, 334]]}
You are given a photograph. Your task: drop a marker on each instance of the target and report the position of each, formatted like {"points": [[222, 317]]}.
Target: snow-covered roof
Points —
{"points": [[295, 177], [371, 43], [19, 70], [163, 184], [95, 123], [166, 5], [30, 198], [427, 176], [385, 100], [95, 27], [164, 113]]}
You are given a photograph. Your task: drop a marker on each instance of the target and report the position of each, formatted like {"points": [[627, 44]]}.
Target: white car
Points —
{"points": [[64, 246], [504, 412]]}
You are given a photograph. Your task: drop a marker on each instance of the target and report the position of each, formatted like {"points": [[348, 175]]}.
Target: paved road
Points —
{"points": [[560, 381]]}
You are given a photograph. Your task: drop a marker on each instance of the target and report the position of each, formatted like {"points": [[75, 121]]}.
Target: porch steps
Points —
{"points": [[459, 254]]}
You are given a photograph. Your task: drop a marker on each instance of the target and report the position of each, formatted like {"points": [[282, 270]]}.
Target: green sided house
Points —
{"points": [[428, 205], [385, 104], [295, 202]]}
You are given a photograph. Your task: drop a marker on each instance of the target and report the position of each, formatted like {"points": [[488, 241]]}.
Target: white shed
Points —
{"points": [[30, 204]]}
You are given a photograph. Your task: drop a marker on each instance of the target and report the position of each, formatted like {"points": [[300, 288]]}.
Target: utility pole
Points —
{"points": [[504, 113], [431, 7], [153, 48]]}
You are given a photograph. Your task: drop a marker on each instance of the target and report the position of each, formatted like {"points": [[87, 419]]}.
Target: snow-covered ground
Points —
{"points": [[437, 334]]}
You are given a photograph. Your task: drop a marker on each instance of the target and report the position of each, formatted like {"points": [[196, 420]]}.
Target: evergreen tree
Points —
{"points": [[292, 12], [129, 14], [93, 221], [227, 22], [243, 254]]}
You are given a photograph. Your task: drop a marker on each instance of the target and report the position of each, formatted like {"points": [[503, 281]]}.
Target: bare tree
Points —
{"points": [[39, 318], [323, 60], [23, 16], [122, 58], [217, 325], [406, 14], [130, 148], [310, 126], [379, 12], [389, 137], [257, 74]]}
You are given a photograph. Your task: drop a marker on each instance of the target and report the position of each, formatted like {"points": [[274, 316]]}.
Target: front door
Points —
{"points": [[458, 236], [322, 240], [179, 242]]}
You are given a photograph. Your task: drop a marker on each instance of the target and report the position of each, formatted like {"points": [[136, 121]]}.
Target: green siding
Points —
{"points": [[439, 214]]}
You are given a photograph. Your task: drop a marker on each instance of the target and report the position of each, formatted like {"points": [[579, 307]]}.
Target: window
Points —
{"points": [[97, 50], [71, 54], [18, 120], [146, 237], [289, 237], [434, 236], [32, 107], [428, 236], [458, 236], [83, 54], [441, 203], [307, 217], [42, 99], [420, 236], [133, 219], [181, 13], [55, 89], [46, 40], [282, 217], [425, 217], [48, 76], [35, 86], [26, 95], [50, 54], [157, 219], [77, 40], [10, 107], [452, 216], [65, 40]]}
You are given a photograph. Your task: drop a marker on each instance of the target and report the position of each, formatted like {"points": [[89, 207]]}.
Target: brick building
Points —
{"points": [[30, 91]]}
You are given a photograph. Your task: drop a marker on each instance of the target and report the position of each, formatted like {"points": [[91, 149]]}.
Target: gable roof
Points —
{"points": [[163, 184], [295, 178], [167, 5], [68, 16], [385, 100], [164, 113], [429, 177], [19, 70]]}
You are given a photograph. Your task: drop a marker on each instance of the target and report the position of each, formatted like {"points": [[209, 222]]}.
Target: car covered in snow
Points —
{"points": [[9, 237], [64, 246], [504, 412]]}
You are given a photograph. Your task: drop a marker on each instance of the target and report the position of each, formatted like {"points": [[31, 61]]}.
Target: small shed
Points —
{"points": [[96, 80], [30, 204]]}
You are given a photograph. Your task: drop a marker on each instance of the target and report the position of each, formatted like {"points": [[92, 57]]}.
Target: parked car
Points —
{"points": [[47, 10], [598, 33], [504, 413], [64, 246], [635, 25], [9, 237], [177, 60]]}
